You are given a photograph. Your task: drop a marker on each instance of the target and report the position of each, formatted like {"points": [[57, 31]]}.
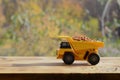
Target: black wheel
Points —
{"points": [[93, 59], [68, 58]]}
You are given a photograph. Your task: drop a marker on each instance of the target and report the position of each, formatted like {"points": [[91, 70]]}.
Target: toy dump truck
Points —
{"points": [[79, 48]]}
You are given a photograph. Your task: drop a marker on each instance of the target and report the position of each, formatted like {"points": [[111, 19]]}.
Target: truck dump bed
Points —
{"points": [[81, 45]]}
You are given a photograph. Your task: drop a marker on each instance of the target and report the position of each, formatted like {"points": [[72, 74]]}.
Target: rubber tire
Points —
{"points": [[68, 58], [93, 59]]}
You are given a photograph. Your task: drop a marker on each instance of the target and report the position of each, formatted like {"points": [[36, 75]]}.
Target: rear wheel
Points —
{"points": [[68, 58], [93, 59]]}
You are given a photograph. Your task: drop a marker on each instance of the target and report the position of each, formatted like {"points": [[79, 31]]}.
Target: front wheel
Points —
{"points": [[68, 58], [93, 59]]}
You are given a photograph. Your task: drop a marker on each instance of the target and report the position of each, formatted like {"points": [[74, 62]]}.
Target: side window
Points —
{"points": [[65, 45]]}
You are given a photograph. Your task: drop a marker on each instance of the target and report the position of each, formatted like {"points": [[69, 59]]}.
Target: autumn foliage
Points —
{"points": [[27, 27]]}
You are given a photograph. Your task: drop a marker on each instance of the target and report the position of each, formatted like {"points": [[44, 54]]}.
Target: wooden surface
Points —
{"points": [[53, 65]]}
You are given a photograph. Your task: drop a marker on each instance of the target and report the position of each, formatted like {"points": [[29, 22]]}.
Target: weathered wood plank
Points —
{"points": [[53, 65]]}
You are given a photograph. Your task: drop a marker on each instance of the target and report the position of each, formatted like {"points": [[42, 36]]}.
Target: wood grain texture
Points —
{"points": [[56, 66]]}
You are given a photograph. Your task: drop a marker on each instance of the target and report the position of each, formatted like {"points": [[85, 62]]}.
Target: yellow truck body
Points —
{"points": [[80, 50]]}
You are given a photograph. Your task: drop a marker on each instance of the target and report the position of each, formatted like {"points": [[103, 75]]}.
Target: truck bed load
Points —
{"points": [[83, 42]]}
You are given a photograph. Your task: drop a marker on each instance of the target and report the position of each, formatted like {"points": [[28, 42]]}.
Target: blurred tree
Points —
{"points": [[9, 8], [106, 9]]}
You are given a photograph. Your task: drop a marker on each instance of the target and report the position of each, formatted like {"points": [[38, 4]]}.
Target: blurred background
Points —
{"points": [[28, 27]]}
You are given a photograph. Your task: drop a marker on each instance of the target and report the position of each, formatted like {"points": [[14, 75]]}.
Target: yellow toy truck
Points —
{"points": [[79, 48]]}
